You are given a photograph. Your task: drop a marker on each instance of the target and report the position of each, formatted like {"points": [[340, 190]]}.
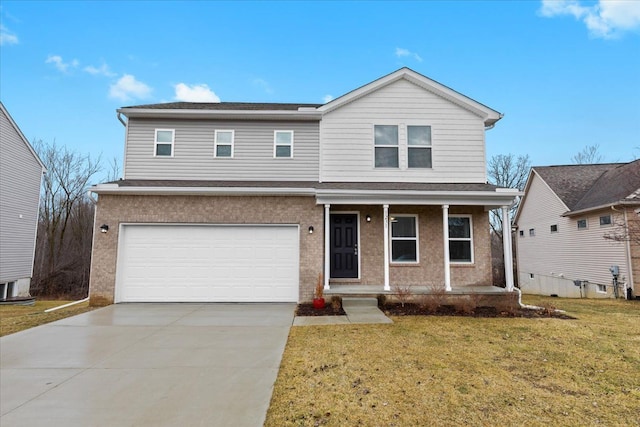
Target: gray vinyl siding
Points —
{"points": [[20, 179], [193, 153], [458, 144], [570, 253]]}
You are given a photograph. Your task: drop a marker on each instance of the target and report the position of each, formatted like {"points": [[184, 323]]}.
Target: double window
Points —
{"points": [[404, 238], [223, 143], [164, 143], [283, 143], [387, 146], [460, 239]]}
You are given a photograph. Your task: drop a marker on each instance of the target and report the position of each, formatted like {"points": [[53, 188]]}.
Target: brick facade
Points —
{"points": [[116, 209]]}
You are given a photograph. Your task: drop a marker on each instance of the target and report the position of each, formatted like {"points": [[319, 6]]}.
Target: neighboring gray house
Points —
{"points": [[20, 179], [383, 186], [562, 222]]}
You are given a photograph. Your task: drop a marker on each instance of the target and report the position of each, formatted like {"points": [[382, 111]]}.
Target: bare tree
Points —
{"points": [[114, 173], [63, 246], [507, 171], [589, 155]]}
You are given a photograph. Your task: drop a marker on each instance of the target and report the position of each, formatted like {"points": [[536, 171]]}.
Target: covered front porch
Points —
{"points": [[423, 240]]}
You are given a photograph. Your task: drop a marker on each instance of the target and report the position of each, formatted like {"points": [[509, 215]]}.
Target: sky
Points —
{"points": [[565, 74]]}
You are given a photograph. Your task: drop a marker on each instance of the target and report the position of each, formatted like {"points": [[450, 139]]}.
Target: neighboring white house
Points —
{"points": [[384, 186], [566, 223], [20, 179]]}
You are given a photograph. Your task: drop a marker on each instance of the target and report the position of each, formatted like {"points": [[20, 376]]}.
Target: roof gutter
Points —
{"points": [[605, 206], [203, 191], [120, 119], [305, 114]]}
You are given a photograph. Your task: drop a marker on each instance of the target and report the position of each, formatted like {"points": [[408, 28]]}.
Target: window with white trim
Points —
{"points": [[164, 143], [601, 289], [605, 220], [419, 146], [283, 144], [532, 232], [223, 143], [582, 224], [460, 239], [386, 146], [404, 239]]}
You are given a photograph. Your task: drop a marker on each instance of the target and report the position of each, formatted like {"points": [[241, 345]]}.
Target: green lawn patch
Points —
{"points": [[435, 370]]}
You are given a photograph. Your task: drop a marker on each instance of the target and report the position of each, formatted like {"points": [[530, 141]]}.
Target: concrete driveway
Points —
{"points": [[146, 365]]}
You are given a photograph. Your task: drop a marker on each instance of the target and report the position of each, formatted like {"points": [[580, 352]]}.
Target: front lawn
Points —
{"points": [[15, 318], [466, 371]]}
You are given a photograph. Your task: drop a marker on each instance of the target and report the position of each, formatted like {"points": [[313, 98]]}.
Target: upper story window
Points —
{"points": [[582, 224], [419, 146], [223, 142], [605, 220], [283, 143], [460, 239], [532, 232], [554, 228], [404, 238], [386, 146], [164, 143]]}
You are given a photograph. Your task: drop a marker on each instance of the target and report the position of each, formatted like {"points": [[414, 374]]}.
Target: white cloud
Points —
{"points": [[127, 87], [327, 98], [103, 70], [62, 66], [195, 93], [7, 37], [606, 19], [403, 53], [264, 85]]}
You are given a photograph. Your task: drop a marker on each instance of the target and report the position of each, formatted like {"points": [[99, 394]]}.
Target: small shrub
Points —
{"points": [[336, 303], [403, 293], [434, 299], [466, 305], [382, 300]]}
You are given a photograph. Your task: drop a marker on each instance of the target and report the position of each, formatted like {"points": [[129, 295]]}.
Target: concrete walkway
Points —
{"points": [[146, 365], [359, 310]]}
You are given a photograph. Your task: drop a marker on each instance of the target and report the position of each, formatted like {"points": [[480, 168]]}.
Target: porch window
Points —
{"points": [[164, 143], [419, 141], [223, 143], [386, 146], [404, 238], [460, 239]]}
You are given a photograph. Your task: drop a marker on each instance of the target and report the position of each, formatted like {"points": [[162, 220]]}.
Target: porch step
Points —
{"points": [[359, 302]]}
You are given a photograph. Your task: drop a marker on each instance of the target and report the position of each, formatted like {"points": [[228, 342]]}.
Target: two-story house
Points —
{"points": [[20, 178], [577, 224], [385, 186]]}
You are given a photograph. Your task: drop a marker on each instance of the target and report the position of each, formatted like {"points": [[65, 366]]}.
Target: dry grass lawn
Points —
{"points": [[16, 318], [443, 371]]}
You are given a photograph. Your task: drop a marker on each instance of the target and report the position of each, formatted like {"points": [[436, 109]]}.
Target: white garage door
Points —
{"points": [[204, 263]]}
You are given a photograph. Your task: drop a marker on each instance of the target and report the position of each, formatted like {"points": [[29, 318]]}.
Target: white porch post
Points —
{"points": [[506, 247], [445, 235], [385, 220], [327, 243]]}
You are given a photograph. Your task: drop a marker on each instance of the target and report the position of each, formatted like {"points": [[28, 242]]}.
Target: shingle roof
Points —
{"points": [[308, 184], [233, 106], [588, 186]]}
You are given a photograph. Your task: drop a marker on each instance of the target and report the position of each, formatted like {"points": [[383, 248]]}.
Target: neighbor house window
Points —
{"points": [[283, 143], [582, 224], [521, 233], [460, 241], [419, 146], [554, 228], [164, 143], [404, 238], [605, 220], [386, 146], [601, 289], [223, 143], [532, 232]]}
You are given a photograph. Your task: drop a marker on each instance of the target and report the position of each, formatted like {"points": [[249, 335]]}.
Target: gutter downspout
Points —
{"points": [[628, 248], [66, 305], [120, 119]]}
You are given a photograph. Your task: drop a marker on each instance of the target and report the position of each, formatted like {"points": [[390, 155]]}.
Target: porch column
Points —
{"points": [[445, 235], [327, 243], [506, 248], [385, 220]]}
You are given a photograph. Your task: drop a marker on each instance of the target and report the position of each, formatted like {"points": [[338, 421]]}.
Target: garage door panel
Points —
{"points": [[208, 263]]}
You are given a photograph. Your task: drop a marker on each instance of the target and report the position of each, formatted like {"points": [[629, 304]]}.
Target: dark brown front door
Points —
{"points": [[344, 245]]}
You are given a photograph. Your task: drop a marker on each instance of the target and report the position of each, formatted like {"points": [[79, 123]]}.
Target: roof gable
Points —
{"points": [[21, 136], [617, 184], [489, 115]]}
